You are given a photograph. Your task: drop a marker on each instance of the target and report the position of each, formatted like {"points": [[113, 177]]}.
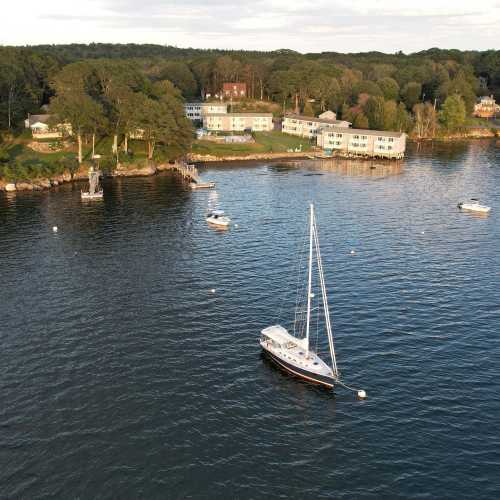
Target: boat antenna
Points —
{"points": [[309, 282]]}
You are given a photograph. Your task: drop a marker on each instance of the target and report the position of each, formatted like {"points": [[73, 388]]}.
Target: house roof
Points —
{"points": [[362, 131], [32, 119], [241, 115], [315, 119]]}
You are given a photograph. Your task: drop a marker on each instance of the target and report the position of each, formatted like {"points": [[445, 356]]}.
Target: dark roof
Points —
{"points": [[315, 119]]}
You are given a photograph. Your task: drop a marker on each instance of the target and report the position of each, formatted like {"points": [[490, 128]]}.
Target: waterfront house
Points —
{"points": [[197, 110], [229, 122], [309, 126], [42, 128], [234, 90], [486, 107], [360, 142]]}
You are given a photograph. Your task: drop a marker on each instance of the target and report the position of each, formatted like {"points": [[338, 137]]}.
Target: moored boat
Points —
{"points": [[217, 218], [294, 353], [474, 205]]}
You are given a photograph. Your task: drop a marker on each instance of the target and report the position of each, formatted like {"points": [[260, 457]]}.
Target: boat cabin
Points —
{"points": [[277, 336], [215, 214]]}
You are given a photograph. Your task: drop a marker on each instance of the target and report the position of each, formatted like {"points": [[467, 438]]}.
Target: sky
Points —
{"points": [[301, 25]]}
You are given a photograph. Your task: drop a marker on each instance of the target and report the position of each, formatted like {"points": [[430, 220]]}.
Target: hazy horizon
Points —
{"points": [[323, 26]]}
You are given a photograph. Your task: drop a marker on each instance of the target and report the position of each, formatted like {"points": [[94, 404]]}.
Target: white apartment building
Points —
{"points": [[230, 122], [362, 142], [197, 110], [309, 126]]}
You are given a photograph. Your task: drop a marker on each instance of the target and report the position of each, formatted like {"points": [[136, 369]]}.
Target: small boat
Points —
{"points": [[474, 205], [294, 353], [95, 191], [202, 185], [217, 218]]}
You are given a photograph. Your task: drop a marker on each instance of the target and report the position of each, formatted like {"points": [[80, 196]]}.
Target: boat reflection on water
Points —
{"points": [[359, 168]]}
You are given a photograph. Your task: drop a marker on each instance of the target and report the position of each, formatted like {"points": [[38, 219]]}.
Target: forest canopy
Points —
{"points": [[371, 88]]}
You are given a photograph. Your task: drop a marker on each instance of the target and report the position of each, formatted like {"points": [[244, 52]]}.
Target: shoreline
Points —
{"points": [[151, 169]]}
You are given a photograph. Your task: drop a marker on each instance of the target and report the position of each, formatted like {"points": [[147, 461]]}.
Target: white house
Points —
{"points": [[360, 142], [309, 126], [40, 128], [197, 110], [229, 122]]}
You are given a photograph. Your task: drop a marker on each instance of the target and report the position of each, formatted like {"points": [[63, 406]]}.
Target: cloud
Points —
{"points": [[320, 25]]}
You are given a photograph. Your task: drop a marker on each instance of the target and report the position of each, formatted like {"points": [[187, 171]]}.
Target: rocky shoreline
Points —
{"points": [[81, 175], [152, 169]]}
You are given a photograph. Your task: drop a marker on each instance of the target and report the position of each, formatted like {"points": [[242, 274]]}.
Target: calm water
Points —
{"points": [[122, 375]]}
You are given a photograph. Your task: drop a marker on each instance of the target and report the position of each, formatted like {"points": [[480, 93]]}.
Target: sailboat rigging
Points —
{"points": [[295, 355]]}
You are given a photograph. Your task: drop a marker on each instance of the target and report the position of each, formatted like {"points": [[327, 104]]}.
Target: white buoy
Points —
{"points": [[236, 225], [54, 229], [423, 232], [361, 394], [212, 290], [352, 252]]}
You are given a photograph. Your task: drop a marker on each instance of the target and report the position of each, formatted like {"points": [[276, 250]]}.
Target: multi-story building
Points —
{"points": [[197, 110], [309, 126], [234, 90], [229, 122], [362, 142], [486, 107]]}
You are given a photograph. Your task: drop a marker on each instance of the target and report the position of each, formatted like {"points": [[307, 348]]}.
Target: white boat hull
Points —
{"points": [[219, 221], [95, 196], [475, 208]]}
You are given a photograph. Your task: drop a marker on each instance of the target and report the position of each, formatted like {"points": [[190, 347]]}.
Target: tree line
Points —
{"points": [[120, 87]]}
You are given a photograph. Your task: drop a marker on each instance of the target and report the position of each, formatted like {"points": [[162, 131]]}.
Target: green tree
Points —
{"points": [[375, 111], [361, 121], [389, 88], [411, 93], [453, 113], [390, 114], [403, 122]]}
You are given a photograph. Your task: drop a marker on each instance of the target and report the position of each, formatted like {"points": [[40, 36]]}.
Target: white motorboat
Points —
{"points": [[217, 218], [294, 353], [474, 205]]}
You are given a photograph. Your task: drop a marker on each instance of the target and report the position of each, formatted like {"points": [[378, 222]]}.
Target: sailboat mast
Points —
{"points": [[325, 302], [309, 285]]}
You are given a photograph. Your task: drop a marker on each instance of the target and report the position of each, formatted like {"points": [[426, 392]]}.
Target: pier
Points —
{"points": [[187, 171]]}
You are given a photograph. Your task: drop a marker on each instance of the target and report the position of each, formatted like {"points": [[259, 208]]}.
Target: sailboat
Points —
{"points": [[295, 355]]}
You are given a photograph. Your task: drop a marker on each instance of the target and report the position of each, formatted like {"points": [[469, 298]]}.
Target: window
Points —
{"points": [[391, 139], [356, 137], [364, 137]]}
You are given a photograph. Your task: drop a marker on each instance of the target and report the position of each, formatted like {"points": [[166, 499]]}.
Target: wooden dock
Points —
{"points": [[187, 171]]}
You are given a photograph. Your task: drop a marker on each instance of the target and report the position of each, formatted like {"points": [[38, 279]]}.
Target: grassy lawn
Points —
{"points": [[265, 142], [20, 163]]}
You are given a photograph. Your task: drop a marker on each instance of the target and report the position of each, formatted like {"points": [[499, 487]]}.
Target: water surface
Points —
{"points": [[123, 375]]}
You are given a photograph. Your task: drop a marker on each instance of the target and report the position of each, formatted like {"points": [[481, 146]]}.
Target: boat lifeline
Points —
{"points": [[474, 205], [217, 218], [295, 355]]}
